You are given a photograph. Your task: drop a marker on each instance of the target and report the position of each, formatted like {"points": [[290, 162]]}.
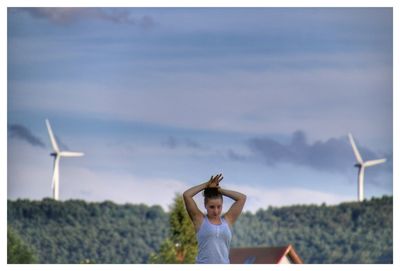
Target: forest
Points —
{"points": [[76, 231]]}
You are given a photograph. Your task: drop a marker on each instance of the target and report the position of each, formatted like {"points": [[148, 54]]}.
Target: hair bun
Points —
{"points": [[211, 192]]}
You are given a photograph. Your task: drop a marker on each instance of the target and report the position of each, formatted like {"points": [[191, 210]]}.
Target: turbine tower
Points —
{"points": [[57, 154], [361, 167]]}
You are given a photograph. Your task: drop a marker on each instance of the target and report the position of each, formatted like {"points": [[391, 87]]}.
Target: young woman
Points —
{"points": [[213, 231]]}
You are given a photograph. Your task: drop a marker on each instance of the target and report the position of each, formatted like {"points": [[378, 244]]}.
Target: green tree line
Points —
{"points": [[75, 231]]}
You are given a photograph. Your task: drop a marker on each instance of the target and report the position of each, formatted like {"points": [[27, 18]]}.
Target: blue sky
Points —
{"points": [[160, 99]]}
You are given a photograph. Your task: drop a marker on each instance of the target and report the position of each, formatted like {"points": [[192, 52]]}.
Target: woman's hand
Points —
{"points": [[214, 181]]}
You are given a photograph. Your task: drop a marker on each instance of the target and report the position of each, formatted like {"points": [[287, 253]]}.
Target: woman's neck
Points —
{"points": [[215, 220]]}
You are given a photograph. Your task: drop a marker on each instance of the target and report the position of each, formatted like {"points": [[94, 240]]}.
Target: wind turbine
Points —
{"points": [[57, 154], [361, 167]]}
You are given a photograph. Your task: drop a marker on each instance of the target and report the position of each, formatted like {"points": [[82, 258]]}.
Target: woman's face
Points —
{"points": [[214, 207]]}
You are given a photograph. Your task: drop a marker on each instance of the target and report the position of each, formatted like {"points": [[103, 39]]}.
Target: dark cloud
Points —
{"points": [[192, 144], [232, 155], [71, 15], [333, 155], [173, 143], [22, 132]]}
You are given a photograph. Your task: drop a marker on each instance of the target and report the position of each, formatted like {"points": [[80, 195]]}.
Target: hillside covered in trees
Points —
{"points": [[75, 231]]}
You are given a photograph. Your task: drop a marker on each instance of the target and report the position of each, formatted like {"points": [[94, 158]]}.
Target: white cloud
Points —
{"points": [[29, 170], [121, 188]]}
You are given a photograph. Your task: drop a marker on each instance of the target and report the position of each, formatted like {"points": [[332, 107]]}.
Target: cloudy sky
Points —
{"points": [[161, 99]]}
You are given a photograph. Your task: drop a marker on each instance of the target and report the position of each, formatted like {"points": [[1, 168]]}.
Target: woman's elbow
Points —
{"points": [[185, 194]]}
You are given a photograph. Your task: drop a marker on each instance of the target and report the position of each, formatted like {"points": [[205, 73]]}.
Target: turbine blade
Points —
{"points": [[374, 162], [52, 138], [71, 154], [355, 150]]}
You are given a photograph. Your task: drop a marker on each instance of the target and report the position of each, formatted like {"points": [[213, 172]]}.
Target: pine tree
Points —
{"points": [[181, 245]]}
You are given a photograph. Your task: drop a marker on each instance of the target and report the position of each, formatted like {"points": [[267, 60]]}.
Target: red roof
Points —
{"points": [[263, 255]]}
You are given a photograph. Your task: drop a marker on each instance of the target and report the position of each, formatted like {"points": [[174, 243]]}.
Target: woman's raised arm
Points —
{"points": [[194, 212], [237, 207]]}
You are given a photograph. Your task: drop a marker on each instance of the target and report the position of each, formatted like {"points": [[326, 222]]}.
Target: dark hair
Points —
{"points": [[211, 193]]}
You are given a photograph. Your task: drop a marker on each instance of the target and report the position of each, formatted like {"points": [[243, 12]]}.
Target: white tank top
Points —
{"points": [[213, 242]]}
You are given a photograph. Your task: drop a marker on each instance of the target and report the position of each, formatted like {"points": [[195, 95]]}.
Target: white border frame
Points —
{"points": [[205, 3]]}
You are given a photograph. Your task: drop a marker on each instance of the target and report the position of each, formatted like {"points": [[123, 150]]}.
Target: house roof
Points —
{"points": [[263, 255]]}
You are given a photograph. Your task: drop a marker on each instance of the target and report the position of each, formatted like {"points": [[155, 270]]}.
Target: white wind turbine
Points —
{"points": [[361, 167], [57, 154]]}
